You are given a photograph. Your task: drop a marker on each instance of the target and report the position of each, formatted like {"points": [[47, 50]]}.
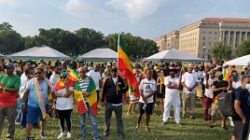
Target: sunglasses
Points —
{"points": [[38, 73], [82, 71]]}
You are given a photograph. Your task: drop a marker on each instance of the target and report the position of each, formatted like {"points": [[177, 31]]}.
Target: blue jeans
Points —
{"points": [[93, 124], [19, 111]]}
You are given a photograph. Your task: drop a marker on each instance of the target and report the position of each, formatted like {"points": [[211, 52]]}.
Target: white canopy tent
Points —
{"points": [[173, 55], [241, 61], [1, 55], [43, 52], [100, 54]]}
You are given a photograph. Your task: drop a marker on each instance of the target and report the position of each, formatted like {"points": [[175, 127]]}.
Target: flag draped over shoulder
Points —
{"points": [[91, 97], [226, 74], [79, 100], [73, 79], [125, 67]]}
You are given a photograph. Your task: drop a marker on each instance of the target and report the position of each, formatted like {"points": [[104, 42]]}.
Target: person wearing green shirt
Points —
{"points": [[9, 86]]}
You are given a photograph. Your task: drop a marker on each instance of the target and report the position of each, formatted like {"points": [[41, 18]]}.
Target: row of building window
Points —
{"points": [[210, 32]]}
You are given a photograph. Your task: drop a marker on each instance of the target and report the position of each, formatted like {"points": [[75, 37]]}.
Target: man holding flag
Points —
{"points": [[88, 89], [114, 88]]}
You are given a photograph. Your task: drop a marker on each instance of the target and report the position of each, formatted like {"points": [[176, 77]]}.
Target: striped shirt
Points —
{"points": [[84, 83]]}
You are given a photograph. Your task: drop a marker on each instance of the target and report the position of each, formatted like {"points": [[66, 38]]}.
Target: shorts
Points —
{"points": [[240, 130], [34, 113], [148, 110]]}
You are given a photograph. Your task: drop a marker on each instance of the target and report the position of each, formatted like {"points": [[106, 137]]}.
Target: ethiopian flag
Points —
{"points": [[81, 105], [125, 67], [88, 97], [73, 76]]}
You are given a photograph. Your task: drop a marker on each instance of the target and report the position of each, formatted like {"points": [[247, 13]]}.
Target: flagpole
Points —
{"points": [[118, 45]]}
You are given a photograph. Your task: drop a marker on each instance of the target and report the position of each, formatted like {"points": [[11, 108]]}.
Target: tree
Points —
{"points": [[135, 46], [10, 40], [221, 51], [243, 49], [89, 39], [5, 26]]}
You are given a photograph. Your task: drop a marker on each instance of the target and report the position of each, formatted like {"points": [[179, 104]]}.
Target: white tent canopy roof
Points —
{"points": [[43, 52], [241, 61], [99, 54], [173, 54], [1, 55]]}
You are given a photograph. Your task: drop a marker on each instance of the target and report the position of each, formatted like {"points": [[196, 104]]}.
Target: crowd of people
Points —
{"points": [[29, 92]]}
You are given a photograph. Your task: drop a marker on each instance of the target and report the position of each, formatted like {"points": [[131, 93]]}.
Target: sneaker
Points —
{"points": [[68, 135], [60, 135], [137, 126], [105, 134], [42, 136], [147, 129]]}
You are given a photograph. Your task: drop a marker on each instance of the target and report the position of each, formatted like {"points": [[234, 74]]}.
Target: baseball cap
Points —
{"points": [[64, 74]]}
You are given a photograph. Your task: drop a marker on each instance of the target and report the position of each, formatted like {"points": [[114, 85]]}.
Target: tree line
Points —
{"points": [[221, 51], [73, 43]]}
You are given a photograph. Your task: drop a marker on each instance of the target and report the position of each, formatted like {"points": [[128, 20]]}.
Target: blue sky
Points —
{"points": [[145, 18]]}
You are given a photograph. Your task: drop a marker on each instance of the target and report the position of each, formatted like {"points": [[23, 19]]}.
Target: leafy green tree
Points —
{"points": [[221, 51], [135, 46], [10, 40], [5, 26], [89, 39], [243, 49]]}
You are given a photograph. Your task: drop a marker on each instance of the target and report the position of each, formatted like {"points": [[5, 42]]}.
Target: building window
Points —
{"points": [[204, 32], [215, 33], [204, 38], [203, 44], [210, 33]]}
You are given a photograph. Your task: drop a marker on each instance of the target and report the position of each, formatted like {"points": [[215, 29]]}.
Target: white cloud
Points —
{"points": [[75, 8], [8, 2], [137, 9]]}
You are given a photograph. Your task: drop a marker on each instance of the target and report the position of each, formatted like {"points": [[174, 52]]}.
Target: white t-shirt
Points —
{"points": [[54, 78], [237, 84], [199, 76], [189, 79], [96, 76], [171, 93], [24, 81], [23, 88], [114, 79], [147, 86], [64, 103], [208, 91]]}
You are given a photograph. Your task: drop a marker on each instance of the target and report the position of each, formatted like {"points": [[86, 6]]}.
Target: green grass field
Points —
{"points": [[196, 129]]}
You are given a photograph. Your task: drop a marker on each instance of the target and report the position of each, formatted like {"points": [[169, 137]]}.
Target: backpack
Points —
{"points": [[225, 101]]}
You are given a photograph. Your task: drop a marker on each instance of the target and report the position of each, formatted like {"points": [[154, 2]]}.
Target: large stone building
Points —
{"points": [[197, 38], [161, 42]]}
